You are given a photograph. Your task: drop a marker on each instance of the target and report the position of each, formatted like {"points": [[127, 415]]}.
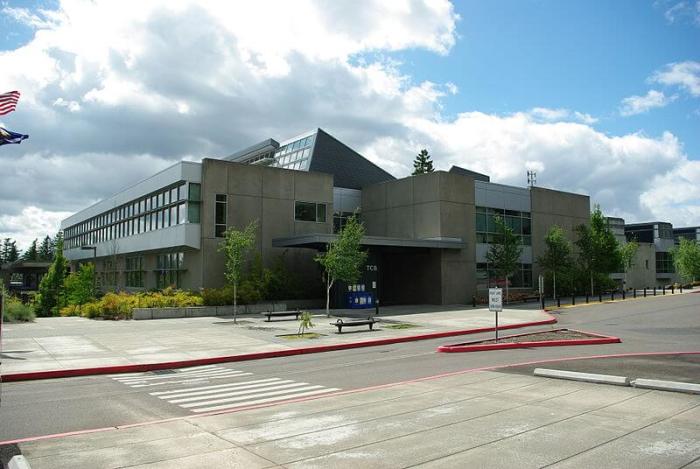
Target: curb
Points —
{"points": [[659, 385], [586, 377], [143, 367], [476, 347]]}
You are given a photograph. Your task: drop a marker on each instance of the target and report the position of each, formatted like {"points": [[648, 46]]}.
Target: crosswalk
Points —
{"points": [[195, 394]]}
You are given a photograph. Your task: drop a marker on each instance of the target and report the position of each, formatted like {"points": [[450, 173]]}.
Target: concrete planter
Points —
{"points": [[204, 311]]}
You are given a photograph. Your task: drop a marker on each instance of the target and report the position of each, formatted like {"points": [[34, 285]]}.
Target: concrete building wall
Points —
{"points": [[550, 207], [643, 271], [433, 205], [267, 195]]}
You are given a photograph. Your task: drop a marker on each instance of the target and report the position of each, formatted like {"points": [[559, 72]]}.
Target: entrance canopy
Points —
{"points": [[320, 240]]}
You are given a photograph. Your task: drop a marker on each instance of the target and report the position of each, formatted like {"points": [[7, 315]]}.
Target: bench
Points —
{"points": [[281, 314], [357, 322]]}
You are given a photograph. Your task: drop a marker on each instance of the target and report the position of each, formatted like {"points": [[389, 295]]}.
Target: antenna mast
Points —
{"points": [[531, 178]]}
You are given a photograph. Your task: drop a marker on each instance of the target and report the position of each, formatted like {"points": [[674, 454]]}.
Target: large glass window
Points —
{"points": [[310, 211], [134, 272], [170, 268], [220, 215], [486, 277], [519, 222], [664, 263]]}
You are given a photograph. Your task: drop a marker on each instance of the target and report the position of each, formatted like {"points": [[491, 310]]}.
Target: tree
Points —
{"points": [[80, 285], [422, 163], [557, 254], [235, 247], [599, 253], [46, 249], [52, 295], [343, 258], [627, 253], [503, 256], [9, 252], [686, 259], [32, 253]]}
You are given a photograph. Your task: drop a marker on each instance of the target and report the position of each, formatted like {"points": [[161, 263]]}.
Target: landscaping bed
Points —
{"points": [[553, 338]]}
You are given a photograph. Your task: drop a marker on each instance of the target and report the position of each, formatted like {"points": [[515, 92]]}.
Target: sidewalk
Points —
{"points": [[478, 419], [76, 343]]}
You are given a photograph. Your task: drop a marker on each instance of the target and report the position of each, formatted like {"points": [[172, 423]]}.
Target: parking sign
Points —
{"points": [[495, 299]]}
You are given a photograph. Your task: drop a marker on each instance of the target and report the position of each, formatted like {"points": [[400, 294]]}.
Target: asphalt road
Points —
{"points": [[33, 408]]}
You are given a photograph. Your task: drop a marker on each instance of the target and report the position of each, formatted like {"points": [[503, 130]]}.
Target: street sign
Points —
{"points": [[496, 304], [495, 299]]}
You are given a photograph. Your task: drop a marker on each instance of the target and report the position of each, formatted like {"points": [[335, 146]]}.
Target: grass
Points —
{"points": [[306, 335], [403, 325]]}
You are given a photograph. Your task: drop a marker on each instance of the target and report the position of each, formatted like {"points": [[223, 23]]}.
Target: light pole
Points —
{"points": [[94, 265]]}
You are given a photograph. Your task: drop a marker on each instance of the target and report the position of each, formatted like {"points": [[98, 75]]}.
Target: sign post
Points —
{"points": [[540, 285], [496, 304]]}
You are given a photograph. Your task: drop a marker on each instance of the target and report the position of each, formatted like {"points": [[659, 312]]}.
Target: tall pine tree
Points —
{"points": [[422, 164], [32, 253], [46, 249]]}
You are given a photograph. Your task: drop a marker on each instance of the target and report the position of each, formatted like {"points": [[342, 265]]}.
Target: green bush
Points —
{"points": [[121, 305], [16, 311]]}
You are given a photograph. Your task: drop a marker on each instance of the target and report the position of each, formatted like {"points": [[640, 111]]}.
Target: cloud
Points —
{"points": [[685, 75], [683, 11], [30, 223], [633, 105], [112, 95]]}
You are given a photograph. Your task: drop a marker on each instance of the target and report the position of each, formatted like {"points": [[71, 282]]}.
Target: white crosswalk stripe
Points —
{"points": [[195, 395]]}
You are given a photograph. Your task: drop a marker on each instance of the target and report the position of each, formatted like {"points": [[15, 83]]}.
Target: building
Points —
{"points": [[692, 233], [427, 235]]}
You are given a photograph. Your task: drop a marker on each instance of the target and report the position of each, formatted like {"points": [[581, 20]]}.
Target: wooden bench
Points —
{"points": [[281, 314], [357, 322]]}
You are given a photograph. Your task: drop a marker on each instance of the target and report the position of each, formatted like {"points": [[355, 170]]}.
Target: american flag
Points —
{"points": [[8, 102]]}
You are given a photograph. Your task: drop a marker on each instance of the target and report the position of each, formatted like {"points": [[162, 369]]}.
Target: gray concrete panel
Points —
{"points": [[426, 187], [399, 193]]}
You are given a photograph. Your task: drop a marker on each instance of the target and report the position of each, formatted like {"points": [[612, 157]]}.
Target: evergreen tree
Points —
{"points": [[8, 252], [31, 254], [46, 249], [80, 285], [13, 253], [557, 255], [422, 164], [52, 297], [599, 253], [503, 256]]}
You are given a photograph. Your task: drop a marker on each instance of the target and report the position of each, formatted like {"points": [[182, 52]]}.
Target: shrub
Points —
{"points": [[217, 296], [16, 311], [121, 305]]}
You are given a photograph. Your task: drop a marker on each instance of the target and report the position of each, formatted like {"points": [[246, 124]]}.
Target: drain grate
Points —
{"points": [[163, 372]]}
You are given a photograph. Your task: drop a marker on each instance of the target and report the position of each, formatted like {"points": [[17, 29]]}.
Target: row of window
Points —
{"points": [[486, 277], [310, 211], [160, 210], [169, 270], [519, 222]]}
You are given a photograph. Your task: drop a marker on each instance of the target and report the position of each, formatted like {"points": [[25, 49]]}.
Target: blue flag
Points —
{"points": [[8, 136]]}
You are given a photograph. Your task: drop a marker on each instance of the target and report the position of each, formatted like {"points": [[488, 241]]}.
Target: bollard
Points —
{"points": [[542, 302], [586, 298], [654, 291], [473, 301], [663, 290], [623, 294], [573, 299], [558, 302], [672, 288], [634, 293], [680, 288], [645, 292], [600, 297], [612, 295]]}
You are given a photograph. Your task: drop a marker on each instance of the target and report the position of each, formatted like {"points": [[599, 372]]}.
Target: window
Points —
{"points": [[193, 204], [340, 219], [519, 222], [170, 268], [664, 263], [310, 211], [134, 272], [486, 277], [220, 215]]}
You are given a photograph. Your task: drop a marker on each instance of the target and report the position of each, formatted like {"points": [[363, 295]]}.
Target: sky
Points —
{"points": [[599, 98]]}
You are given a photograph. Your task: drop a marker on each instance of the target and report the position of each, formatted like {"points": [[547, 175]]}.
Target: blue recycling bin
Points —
{"points": [[360, 300]]}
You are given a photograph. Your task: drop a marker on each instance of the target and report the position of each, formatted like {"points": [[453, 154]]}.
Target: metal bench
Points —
{"points": [[281, 314], [357, 322]]}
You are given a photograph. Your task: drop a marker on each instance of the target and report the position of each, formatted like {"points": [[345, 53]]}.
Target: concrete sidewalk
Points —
{"points": [[478, 419], [76, 343]]}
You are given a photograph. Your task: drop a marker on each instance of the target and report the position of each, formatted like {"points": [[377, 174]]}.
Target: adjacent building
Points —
{"points": [[427, 235]]}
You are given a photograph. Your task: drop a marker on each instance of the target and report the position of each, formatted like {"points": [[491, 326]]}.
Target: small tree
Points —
{"points": [[627, 253], [52, 296], [422, 163], [686, 259], [557, 255], [503, 256], [235, 247], [343, 257], [32, 253], [305, 322], [80, 285], [599, 253]]}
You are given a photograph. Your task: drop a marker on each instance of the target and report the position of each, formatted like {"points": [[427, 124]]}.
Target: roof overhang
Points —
{"points": [[320, 240]]}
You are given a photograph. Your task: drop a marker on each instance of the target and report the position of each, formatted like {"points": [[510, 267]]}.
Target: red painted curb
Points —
{"points": [[143, 367], [476, 347]]}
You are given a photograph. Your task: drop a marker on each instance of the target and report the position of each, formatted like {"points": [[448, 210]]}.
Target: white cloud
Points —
{"points": [[32, 222], [640, 104], [112, 94], [685, 75], [684, 11]]}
